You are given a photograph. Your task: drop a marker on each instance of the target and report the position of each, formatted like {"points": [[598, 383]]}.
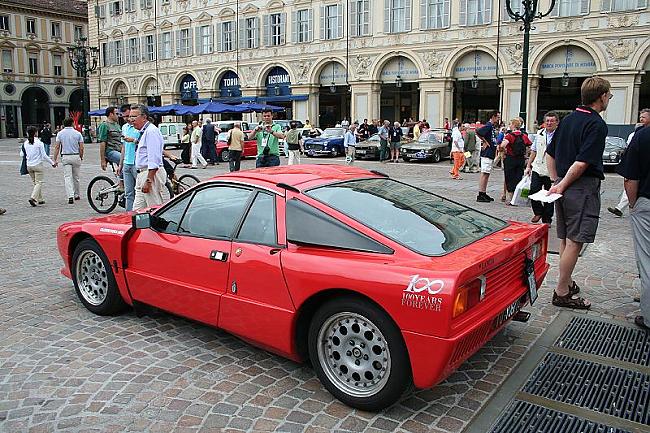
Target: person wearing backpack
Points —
{"points": [[514, 144]]}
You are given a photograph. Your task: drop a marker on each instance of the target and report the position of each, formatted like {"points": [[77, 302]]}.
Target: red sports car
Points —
{"points": [[377, 282], [250, 147]]}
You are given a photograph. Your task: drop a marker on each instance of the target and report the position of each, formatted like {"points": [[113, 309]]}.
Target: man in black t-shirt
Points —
{"points": [[574, 159], [635, 168]]}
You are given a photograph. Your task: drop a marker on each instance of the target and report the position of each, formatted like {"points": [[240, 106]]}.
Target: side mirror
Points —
{"points": [[141, 221]]}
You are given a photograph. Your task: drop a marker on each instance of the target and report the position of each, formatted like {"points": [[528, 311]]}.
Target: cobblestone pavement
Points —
{"points": [[64, 369]]}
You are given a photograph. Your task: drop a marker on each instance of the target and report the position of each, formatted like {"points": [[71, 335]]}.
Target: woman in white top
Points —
{"points": [[34, 152]]}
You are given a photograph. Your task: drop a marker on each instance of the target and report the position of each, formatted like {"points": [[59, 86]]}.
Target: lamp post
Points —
{"points": [[526, 14], [475, 77], [83, 59], [565, 75]]}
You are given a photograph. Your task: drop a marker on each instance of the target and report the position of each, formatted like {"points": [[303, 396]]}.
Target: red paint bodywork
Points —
{"points": [[250, 147], [173, 273]]}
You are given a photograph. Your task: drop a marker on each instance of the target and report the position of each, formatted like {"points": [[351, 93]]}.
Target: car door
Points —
{"points": [[257, 304], [181, 264]]}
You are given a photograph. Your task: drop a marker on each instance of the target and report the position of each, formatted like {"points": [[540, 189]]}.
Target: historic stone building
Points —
{"points": [[393, 59], [38, 83]]}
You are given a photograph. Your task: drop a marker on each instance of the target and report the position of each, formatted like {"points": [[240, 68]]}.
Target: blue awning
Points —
{"points": [[282, 98], [229, 100]]}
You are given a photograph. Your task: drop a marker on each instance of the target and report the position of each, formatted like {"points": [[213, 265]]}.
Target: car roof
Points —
{"points": [[298, 176]]}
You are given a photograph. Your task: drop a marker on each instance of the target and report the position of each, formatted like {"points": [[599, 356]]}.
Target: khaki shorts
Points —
{"points": [[578, 211], [486, 165]]}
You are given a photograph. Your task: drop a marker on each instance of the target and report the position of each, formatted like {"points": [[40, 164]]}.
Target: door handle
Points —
{"points": [[218, 255], [275, 251]]}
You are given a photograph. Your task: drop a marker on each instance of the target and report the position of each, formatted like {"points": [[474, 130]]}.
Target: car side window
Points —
{"points": [[163, 130], [259, 226], [215, 211], [311, 226], [172, 129], [168, 220]]}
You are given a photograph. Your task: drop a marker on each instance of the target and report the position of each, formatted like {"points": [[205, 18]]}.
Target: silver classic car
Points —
{"points": [[429, 147]]}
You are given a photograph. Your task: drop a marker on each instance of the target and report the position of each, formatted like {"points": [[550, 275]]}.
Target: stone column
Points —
{"points": [[635, 96], [621, 107], [512, 97], [533, 92], [19, 119], [3, 121], [303, 110], [51, 113], [365, 103], [448, 103], [432, 100]]}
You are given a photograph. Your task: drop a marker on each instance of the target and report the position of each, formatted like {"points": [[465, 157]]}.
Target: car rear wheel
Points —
{"points": [[94, 281], [358, 354], [437, 156]]}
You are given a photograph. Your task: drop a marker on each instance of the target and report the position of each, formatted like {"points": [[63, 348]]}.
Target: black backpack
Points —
{"points": [[518, 146]]}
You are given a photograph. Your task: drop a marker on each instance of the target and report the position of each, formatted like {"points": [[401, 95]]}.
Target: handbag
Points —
{"points": [[23, 164], [520, 196]]}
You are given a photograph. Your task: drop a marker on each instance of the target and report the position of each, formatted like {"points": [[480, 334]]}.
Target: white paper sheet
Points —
{"points": [[544, 197]]}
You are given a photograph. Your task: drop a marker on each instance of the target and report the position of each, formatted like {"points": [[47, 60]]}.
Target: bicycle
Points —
{"points": [[104, 194]]}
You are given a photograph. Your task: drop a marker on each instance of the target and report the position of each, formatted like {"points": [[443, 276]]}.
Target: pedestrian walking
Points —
{"points": [[151, 177], [395, 136], [473, 149], [350, 144], [575, 164], [267, 135], [208, 143], [635, 168], [536, 168], [488, 135], [457, 150], [514, 146], [235, 147], [69, 145], [130, 137], [293, 143], [197, 156], [34, 153], [45, 136], [383, 141], [186, 146]]}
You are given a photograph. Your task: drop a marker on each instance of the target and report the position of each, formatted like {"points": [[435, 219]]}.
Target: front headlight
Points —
{"points": [[613, 156]]}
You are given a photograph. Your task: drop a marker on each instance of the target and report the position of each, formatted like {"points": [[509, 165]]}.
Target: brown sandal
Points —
{"points": [[574, 289], [569, 301]]}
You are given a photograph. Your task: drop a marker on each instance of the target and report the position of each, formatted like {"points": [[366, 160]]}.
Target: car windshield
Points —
{"points": [[419, 220], [333, 132], [222, 136], [373, 137], [430, 138], [612, 144]]}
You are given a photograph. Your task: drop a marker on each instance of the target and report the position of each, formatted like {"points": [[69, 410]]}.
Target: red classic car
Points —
{"points": [[250, 146], [379, 283]]}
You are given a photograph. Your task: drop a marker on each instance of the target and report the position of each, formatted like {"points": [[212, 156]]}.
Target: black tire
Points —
{"points": [[406, 158], [94, 281], [186, 182], [371, 334], [167, 192], [99, 201], [224, 156], [437, 155]]}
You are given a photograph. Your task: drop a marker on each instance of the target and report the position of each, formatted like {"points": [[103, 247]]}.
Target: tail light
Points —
{"points": [[469, 295], [536, 250]]}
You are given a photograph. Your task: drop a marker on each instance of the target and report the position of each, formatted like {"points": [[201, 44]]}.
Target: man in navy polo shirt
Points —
{"points": [[635, 168], [574, 159], [488, 136]]}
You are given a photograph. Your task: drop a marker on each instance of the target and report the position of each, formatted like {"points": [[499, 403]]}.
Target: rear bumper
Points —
{"points": [[434, 358]]}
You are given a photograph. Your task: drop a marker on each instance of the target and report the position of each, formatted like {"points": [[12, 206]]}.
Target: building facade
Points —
{"points": [[391, 59], [38, 83]]}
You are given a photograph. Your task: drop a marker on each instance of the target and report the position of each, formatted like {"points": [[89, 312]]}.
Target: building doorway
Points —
{"points": [[35, 108], [333, 107], [474, 102], [554, 96], [399, 103]]}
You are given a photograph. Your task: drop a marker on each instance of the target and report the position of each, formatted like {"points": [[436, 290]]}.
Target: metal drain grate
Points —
{"points": [[521, 416], [609, 390], [606, 339]]}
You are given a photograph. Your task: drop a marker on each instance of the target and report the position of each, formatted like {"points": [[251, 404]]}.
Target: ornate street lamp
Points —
{"points": [[333, 83], [398, 81], [83, 59], [565, 75], [526, 15], [475, 77]]}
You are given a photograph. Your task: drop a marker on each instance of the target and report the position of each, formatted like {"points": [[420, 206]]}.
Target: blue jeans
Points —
{"points": [[47, 148], [114, 156], [267, 161], [129, 173]]}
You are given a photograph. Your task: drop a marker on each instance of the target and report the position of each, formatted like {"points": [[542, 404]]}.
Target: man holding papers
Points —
{"points": [[575, 165]]}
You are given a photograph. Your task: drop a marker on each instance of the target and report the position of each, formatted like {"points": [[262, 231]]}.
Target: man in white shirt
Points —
{"points": [[70, 144], [148, 160], [350, 143], [457, 150], [536, 168], [195, 139]]}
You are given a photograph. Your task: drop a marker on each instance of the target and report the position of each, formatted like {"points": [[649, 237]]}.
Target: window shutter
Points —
{"points": [[144, 53], [641, 4], [554, 13], [446, 12], [407, 25], [256, 42], [487, 15], [606, 5], [294, 27], [354, 18], [266, 31], [198, 40], [322, 23], [178, 42], [310, 25], [339, 18], [219, 29], [367, 22], [242, 33], [143, 4], [111, 53], [283, 28], [424, 19], [387, 16], [584, 7], [160, 47], [462, 13], [111, 9], [190, 41]]}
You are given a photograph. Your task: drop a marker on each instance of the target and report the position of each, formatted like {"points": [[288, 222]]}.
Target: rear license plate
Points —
{"points": [[412, 155], [506, 314], [529, 274], [360, 152]]}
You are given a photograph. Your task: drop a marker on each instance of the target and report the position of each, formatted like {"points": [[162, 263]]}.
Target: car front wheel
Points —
{"points": [[358, 354], [437, 156], [94, 281]]}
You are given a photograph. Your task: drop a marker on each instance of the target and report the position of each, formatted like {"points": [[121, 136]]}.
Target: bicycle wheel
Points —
{"points": [[102, 194], [186, 182]]}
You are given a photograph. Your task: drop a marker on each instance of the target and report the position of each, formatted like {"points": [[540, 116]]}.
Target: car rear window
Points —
{"points": [[419, 220]]}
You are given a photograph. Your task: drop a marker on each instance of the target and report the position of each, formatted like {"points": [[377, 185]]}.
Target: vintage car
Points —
{"points": [[430, 146], [369, 149], [379, 283], [614, 148], [329, 143], [250, 147]]}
